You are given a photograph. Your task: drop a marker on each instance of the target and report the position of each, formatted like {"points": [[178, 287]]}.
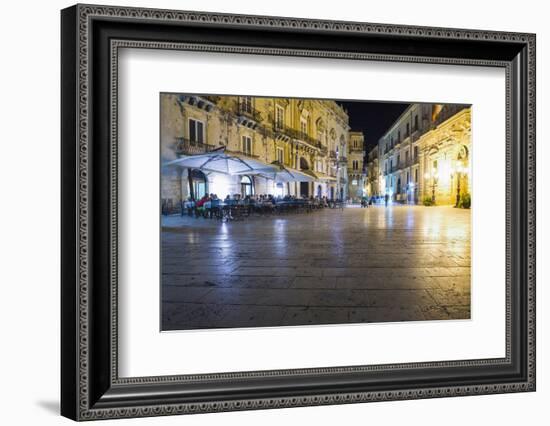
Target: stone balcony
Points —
{"points": [[185, 146]]}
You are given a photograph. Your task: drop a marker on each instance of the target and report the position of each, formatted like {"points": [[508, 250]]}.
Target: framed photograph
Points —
{"points": [[263, 212]]}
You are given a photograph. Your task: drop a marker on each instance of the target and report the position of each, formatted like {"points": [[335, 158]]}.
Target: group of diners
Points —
{"points": [[239, 207]]}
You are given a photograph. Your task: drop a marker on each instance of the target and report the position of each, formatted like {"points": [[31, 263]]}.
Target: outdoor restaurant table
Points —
{"points": [[226, 211], [234, 210]]}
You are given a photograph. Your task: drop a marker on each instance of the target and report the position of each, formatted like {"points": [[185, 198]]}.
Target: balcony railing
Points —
{"points": [[188, 147], [244, 153], [250, 113], [301, 136], [408, 162]]}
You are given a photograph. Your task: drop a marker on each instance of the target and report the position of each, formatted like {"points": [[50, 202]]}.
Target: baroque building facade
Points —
{"points": [[303, 134], [371, 174], [356, 171], [424, 156]]}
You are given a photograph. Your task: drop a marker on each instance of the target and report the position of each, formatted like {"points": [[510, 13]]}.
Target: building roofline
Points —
{"points": [[397, 120]]}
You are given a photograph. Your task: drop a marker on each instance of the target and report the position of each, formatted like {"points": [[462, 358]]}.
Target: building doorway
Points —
{"points": [[198, 184], [304, 189], [247, 186], [319, 191]]}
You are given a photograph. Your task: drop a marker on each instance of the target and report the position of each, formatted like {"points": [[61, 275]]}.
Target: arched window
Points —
{"points": [[197, 184], [304, 165], [247, 186], [320, 125]]}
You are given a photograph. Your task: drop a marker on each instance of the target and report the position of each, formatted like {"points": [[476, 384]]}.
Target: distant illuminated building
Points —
{"points": [[356, 171], [373, 184]]}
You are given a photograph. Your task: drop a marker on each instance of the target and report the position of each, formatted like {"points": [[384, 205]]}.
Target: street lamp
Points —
{"points": [[434, 177], [460, 171]]}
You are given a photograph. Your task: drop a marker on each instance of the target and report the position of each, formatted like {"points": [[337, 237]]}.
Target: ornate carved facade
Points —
{"points": [[445, 162]]}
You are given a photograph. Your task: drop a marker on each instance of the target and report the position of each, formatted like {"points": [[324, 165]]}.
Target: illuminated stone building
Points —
{"points": [[445, 160], [308, 135], [356, 171], [399, 154], [424, 155], [372, 188]]}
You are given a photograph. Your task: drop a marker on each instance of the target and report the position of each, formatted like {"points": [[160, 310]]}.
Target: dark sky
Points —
{"points": [[372, 118]]}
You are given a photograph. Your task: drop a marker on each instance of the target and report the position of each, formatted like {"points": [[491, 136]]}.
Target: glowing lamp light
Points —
{"points": [[220, 185], [278, 189]]}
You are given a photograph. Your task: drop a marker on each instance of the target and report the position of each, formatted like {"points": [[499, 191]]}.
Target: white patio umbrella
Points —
{"points": [[280, 173], [221, 162]]}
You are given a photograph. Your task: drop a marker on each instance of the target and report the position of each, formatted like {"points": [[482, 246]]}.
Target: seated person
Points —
{"points": [[200, 204]]}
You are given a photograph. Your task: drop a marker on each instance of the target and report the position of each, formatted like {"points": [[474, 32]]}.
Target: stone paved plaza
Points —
{"points": [[400, 263]]}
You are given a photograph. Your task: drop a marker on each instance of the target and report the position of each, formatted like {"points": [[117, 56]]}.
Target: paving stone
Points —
{"points": [[315, 282], [309, 316], [450, 297]]}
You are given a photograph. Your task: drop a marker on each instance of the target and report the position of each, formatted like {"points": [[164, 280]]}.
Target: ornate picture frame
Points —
{"points": [[91, 386]]}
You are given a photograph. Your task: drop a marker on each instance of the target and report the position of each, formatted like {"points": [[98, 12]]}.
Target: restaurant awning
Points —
{"points": [[221, 162], [280, 173]]}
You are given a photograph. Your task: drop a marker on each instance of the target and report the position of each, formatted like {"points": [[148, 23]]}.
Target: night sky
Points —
{"points": [[372, 118]]}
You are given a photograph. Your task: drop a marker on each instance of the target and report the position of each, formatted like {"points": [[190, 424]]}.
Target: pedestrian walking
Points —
{"points": [[386, 197]]}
